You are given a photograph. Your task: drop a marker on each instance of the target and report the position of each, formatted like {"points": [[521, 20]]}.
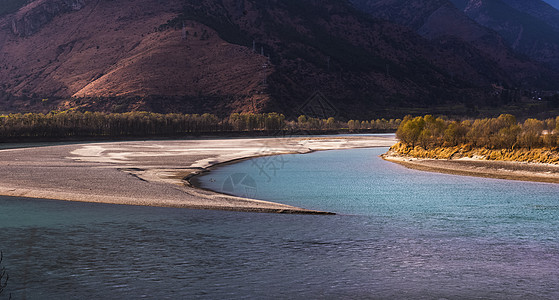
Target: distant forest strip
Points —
{"points": [[501, 138], [144, 124]]}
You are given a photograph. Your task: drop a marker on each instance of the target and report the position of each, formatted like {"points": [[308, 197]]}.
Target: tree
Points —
{"points": [[532, 131], [331, 123], [353, 125], [507, 120], [409, 131], [504, 134], [479, 133], [508, 137], [455, 134]]}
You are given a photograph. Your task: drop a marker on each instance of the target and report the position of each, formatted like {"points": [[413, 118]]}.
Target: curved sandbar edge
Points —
{"points": [[151, 173], [509, 170]]}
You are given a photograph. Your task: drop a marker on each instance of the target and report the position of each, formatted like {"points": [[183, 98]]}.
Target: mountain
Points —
{"points": [[112, 55], [430, 18], [226, 56], [538, 9], [362, 63], [554, 3], [530, 27], [441, 22]]}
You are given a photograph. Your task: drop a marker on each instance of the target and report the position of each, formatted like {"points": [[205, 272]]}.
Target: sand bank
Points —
{"points": [[151, 173], [481, 168]]}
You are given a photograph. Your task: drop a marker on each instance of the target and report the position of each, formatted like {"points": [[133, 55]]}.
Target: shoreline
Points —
{"points": [[152, 173], [191, 180], [508, 170]]}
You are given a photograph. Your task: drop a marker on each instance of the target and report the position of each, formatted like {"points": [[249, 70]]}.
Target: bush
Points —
{"points": [[501, 138], [503, 132]]}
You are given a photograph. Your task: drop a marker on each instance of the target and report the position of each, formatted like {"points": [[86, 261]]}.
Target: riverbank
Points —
{"points": [[510, 170], [151, 173]]}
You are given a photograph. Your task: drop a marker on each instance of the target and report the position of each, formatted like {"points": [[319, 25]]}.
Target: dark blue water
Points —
{"points": [[400, 234]]}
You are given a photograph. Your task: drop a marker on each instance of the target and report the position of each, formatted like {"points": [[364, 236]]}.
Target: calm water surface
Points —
{"points": [[399, 234]]}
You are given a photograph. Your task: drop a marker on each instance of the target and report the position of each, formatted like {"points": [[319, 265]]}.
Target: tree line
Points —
{"points": [[503, 132], [73, 123]]}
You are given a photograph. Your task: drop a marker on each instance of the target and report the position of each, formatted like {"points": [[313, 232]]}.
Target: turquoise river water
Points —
{"points": [[398, 234]]}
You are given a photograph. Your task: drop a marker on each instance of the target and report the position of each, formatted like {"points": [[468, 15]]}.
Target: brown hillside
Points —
{"points": [[114, 48], [224, 56]]}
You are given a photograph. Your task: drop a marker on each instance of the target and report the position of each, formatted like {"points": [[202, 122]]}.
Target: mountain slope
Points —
{"points": [[528, 26], [228, 56], [115, 49], [364, 64], [10, 6], [554, 3], [442, 22], [539, 9]]}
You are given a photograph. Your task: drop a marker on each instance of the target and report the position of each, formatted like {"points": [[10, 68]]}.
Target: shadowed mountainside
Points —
{"points": [[249, 56], [441, 20], [530, 27]]}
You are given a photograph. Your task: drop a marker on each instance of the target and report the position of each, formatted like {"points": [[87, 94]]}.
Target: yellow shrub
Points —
{"points": [[539, 155]]}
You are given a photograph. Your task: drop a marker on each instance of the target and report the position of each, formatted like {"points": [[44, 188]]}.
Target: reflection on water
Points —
{"points": [[400, 234]]}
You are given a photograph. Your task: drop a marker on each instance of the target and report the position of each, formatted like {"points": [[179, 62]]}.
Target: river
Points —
{"points": [[398, 233]]}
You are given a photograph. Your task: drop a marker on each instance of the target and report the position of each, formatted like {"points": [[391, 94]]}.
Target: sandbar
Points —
{"points": [[152, 173], [510, 170]]}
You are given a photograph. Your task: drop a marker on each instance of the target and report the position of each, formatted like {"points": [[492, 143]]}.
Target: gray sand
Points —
{"points": [[509, 170], [150, 172]]}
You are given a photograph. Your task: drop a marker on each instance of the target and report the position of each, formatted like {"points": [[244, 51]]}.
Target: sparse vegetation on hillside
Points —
{"points": [[218, 20], [185, 57]]}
